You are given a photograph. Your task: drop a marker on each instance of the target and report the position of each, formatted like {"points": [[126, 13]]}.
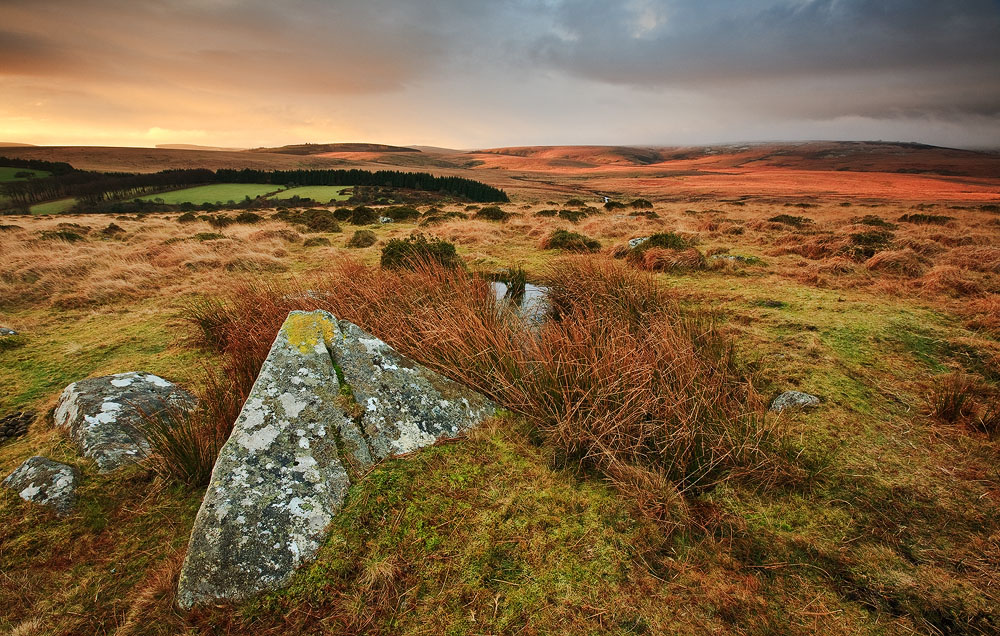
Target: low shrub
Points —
{"points": [[61, 235], [363, 215], [342, 214], [416, 250], [440, 216], [248, 218], [573, 216], [864, 245], [663, 240], [313, 219], [208, 236], [570, 242], [641, 204], [217, 221], [317, 241], [547, 213], [788, 219], [575, 203], [925, 219], [492, 213], [614, 205], [187, 217], [113, 229], [874, 221], [362, 238], [401, 213]]}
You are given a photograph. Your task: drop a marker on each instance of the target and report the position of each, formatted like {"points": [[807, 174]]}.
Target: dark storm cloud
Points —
{"points": [[925, 49]]}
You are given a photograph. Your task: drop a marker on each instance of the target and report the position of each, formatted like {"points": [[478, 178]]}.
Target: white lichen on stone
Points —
{"points": [[104, 415], [46, 482]]}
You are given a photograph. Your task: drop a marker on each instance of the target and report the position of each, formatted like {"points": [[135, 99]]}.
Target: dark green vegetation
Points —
{"points": [[98, 191], [491, 213], [362, 238], [925, 219], [418, 250], [788, 219], [570, 242]]}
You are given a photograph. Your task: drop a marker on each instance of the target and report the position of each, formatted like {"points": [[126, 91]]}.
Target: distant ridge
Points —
{"points": [[319, 149], [14, 144], [197, 147]]}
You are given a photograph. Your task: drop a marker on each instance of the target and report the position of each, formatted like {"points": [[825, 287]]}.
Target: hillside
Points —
{"points": [[318, 149]]}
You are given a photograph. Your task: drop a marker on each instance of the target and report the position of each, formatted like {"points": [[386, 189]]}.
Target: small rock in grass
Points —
{"points": [[793, 400], [105, 415], [43, 481]]}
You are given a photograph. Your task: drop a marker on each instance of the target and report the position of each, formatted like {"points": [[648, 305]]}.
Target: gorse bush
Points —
{"points": [[401, 213], [492, 213], [619, 381], [416, 250], [570, 242], [362, 238], [363, 215], [788, 219], [925, 219]]}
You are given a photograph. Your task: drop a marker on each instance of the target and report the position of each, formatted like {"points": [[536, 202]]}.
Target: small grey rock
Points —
{"points": [[104, 415], [4, 331], [45, 482], [636, 242], [385, 219], [793, 400]]}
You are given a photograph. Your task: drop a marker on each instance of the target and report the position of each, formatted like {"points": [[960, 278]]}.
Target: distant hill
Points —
{"points": [[14, 144], [319, 149], [197, 147]]}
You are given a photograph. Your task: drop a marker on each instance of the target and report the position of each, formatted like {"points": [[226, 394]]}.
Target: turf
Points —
{"points": [[53, 207], [319, 194], [215, 193], [7, 174]]}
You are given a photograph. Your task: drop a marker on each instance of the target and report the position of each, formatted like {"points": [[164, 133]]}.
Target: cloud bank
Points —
{"points": [[451, 72]]}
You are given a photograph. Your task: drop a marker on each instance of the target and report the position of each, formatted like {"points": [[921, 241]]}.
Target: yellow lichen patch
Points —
{"points": [[304, 330]]}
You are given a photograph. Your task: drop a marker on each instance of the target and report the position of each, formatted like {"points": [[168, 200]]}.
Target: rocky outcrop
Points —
{"points": [[793, 400], [280, 478], [104, 415], [405, 405], [45, 482]]}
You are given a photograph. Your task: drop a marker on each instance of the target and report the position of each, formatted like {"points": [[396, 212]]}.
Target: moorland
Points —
{"points": [[635, 481]]}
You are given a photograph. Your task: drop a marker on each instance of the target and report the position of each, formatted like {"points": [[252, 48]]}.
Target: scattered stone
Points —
{"points": [[636, 242], [735, 258], [386, 219], [793, 400], [4, 331], [104, 414], [406, 405], [43, 481], [278, 480], [15, 425]]}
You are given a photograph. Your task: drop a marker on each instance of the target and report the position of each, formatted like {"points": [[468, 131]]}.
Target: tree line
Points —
{"points": [[96, 187]]}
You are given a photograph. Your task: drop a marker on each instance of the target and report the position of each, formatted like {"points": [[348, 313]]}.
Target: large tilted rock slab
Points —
{"points": [[405, 405], [278, 480], [104, 415], [43, 481]]}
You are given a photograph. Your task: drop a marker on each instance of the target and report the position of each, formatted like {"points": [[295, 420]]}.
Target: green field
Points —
{"points": [[7, 173], [216, 193], [319, 194], [53, 207]]}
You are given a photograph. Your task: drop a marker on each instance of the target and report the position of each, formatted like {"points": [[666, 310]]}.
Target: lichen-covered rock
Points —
{"points": [[46, 482], [793, 400], [4, 331], [104, 415], [278, 480], [405, 405], [636, 242]]}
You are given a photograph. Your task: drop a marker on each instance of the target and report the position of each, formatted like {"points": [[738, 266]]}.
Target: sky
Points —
{"points": [[476, 74]]}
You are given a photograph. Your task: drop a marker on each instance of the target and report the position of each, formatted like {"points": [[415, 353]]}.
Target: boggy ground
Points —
{"points": [[889, 526]]}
